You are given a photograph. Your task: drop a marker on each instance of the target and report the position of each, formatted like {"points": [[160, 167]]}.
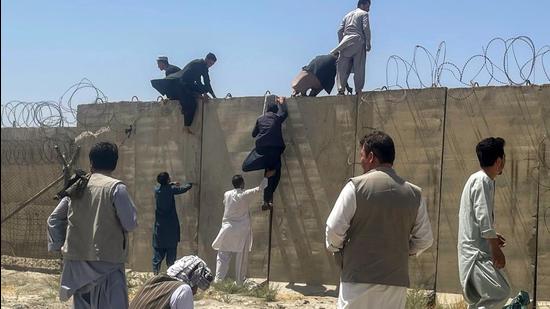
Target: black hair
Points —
{"points": [[163, 61], [237, 181], [381, 145], [212, 57], [163, 178], [104, 156], [362, 2], [489, 150]]}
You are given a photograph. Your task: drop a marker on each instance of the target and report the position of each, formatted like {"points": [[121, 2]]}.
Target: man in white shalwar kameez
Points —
{"points": [[235, 235], [353, 45], [480, 258], [377, 222]]}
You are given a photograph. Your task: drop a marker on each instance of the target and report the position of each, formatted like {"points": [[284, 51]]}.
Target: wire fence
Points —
{"points": [[514, 61]]}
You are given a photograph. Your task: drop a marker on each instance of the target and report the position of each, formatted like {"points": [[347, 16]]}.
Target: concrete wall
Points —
{"points": [[318, 160], [435, 132], [415, 120], [151, 140], [521, 116]]}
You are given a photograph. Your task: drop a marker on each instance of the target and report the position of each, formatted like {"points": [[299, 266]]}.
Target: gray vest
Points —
{"points": [[377, 243], [94, 232]]}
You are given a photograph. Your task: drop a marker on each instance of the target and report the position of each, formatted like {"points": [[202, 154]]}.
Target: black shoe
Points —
{"points": [[267, 206], [341, 93]]}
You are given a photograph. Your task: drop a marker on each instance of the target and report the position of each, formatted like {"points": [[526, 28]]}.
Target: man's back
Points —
{"points": [[165, 209], [324, 68], [476, 196], [193, 71], [354, 23], [378, 238], [236, 203], [268, 130], [94, 231]]}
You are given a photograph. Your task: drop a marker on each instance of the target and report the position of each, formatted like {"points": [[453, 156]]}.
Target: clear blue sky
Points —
{"points": [[49, 45]]}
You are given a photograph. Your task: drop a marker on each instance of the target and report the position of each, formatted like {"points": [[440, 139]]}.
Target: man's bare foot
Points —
{"points": [[187, 130]]}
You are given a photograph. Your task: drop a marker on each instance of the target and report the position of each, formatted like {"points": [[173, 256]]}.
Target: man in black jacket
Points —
{"points": [[186, 86], [193, 87], [269, 145], [318, 75]]}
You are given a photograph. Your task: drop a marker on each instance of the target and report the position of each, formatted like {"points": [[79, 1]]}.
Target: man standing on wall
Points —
{"points": [[270, 145], [90, 227], [235, 235], [163, 65], [377, 222], [166, 229], [480, 257], [193, 87], [354, 43]]}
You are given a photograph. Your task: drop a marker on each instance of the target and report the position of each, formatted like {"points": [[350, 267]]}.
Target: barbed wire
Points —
{"points": [[61, 113], [508, 67], [34, 151]]}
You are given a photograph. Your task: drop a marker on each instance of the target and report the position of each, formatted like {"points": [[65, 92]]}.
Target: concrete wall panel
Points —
{"points": [[318, 161], [155, 142], [472, 114], [542, 175], [414, 119], [227, 140]]}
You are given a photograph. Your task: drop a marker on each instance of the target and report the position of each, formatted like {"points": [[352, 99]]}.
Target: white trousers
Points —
{"points": [[241, 263], [367, 296], [344, 66]]}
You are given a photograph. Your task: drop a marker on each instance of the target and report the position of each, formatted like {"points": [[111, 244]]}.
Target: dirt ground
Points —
{"points": [[27, 289], [34, 283]]}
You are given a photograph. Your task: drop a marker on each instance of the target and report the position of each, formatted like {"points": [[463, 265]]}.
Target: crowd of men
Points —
{"points": [[378, 221]]}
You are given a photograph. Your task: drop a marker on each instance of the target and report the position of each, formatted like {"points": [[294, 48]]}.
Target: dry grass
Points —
{"points": [[418, 299], [249, 288]]}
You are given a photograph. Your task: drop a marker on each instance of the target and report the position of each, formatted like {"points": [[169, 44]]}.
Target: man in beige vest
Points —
{"points": [[90, 228], [377, 222]]}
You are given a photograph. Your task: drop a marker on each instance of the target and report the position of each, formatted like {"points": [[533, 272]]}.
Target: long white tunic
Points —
{"points": [[483, 285], [366, 295], [236, 219]]}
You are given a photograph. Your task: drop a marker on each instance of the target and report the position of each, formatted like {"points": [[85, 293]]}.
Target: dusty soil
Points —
{"points": [[34, 283], [38, 288]]}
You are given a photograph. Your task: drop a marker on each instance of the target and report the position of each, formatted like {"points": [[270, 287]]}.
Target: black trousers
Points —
{"points": [[267, 158], [188, 100], [185, 92], [160, 253]]}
